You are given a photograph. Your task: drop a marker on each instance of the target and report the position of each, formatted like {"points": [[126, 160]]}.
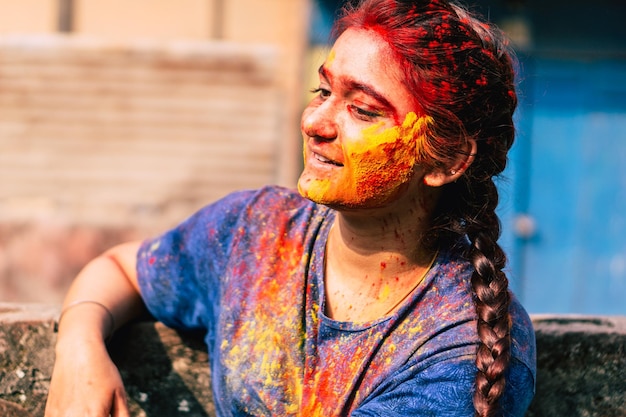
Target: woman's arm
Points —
{"points": [[104, 296]]}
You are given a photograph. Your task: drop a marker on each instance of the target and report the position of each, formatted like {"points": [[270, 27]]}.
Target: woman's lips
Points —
{"points": [[325, 160]]}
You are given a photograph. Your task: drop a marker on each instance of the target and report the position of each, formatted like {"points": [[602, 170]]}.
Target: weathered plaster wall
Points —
{"points": [[105, 141], [581, 366]]}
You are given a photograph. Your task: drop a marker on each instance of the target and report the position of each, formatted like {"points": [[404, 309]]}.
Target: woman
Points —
{"points": [[379, 293]]}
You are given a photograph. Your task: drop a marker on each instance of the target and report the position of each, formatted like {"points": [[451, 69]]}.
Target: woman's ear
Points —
{"points": [[464, 159]]}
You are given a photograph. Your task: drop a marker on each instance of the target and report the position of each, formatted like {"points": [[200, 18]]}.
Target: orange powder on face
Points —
{"points": [[375, 166]]}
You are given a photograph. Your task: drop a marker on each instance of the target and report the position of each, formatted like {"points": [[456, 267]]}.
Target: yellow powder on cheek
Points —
{"points": [[376, 165], [384, 160]]}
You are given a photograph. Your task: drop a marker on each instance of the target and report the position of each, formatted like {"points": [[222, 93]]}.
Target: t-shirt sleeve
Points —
{"points": [[445, 389], [178, 272]]}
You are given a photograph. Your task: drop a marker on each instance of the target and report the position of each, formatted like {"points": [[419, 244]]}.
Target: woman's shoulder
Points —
{"points": [[257, 212], [454, 279], [523, 345], [522, 372], [256, 205]]}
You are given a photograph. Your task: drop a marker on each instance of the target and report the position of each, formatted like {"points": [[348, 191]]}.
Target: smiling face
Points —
{"points": [[361, 132]]}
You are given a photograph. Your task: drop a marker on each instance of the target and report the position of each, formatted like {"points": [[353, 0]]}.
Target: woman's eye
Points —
{"points": [[365, 114], [323, 93]]}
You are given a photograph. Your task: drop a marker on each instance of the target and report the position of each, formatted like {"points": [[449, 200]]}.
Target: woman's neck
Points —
{"points": [[374, 259], [389, 247]]}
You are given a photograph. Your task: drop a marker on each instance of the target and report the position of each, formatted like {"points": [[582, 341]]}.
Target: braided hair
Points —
{"points": [[461, 74]]}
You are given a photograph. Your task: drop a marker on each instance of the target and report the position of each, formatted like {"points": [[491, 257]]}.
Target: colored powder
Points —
{"points": [[331, 57], [384, 293], [375, 166]]}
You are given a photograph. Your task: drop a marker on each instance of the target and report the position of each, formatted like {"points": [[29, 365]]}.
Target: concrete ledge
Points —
{"points": [[581, 366], [165, 372], [26, 357]]}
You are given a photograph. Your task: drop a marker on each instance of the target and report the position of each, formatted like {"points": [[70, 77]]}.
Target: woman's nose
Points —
{"points": [[319, 122]]}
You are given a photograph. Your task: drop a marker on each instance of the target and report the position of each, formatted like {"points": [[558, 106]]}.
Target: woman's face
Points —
{"points": [[362, 131]]}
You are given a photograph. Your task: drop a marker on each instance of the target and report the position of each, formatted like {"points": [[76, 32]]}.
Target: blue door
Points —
{"points": [[564, 207], [565, 224]]}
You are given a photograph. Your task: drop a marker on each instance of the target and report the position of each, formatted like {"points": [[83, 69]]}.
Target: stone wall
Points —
{"points": [[581, 366]]}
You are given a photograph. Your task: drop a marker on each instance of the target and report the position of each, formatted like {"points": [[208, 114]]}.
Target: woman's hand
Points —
{"points": [[105, 295], [85, 383]]}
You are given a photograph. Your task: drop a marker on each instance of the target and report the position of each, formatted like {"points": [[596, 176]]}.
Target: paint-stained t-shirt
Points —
{"points": [[249, 270]]}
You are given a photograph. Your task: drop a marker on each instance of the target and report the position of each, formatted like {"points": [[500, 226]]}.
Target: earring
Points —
{"points": [[453, 172]]}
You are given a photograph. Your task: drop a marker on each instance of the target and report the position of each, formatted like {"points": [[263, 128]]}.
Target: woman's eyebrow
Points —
{"points": [[354, 85]]}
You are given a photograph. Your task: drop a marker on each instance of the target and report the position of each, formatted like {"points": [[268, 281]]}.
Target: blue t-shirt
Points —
{"points": [[249, 270]]}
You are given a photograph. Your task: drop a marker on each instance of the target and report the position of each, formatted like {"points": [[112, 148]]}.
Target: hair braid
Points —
{"points": [[492, 300]]}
